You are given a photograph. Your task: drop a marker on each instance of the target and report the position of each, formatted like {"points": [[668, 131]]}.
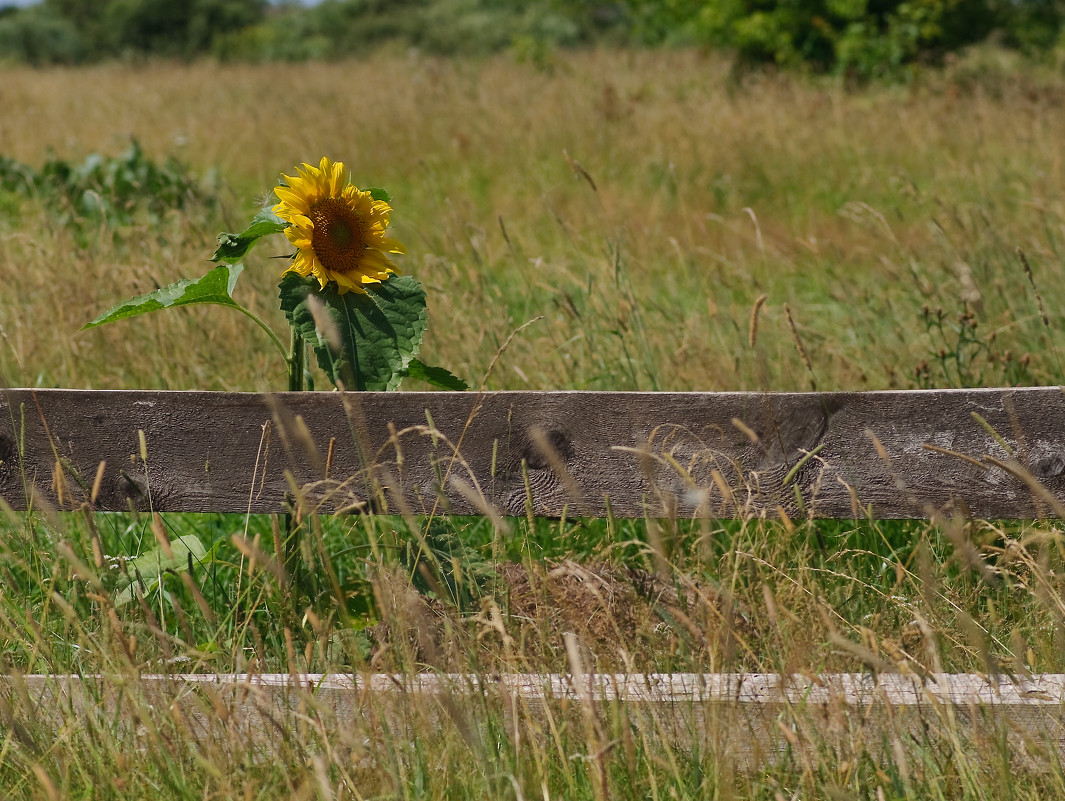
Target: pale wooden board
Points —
{"points": [[749, 718], [1046, 690], [898, 454]]}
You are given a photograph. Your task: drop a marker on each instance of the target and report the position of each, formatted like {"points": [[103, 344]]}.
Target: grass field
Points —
{"points": [[640, 204]]}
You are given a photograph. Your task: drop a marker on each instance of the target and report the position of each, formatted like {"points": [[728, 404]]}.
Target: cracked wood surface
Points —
{"points": [[991, 453]]}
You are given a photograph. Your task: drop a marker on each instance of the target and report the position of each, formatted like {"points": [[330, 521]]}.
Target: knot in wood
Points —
{"points": [[9, 466], [129, 488], [547, 447], [1048, 466]]}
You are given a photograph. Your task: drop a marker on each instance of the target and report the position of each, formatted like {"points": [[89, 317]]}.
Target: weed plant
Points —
{"points": [[110, 192]]}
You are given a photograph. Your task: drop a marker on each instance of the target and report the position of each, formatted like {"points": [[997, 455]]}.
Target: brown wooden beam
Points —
{"points": [[991, 453]]}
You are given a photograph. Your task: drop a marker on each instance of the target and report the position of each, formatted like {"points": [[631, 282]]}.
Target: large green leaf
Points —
{"points": [[362, 341], [437, 376], [233, 247], [215, 287], [148, 568]]}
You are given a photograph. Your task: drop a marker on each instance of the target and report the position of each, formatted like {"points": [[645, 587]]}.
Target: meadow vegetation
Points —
{"points": [[639, 206]]}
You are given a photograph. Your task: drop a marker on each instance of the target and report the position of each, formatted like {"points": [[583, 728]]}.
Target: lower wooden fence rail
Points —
{"points": [[987, 453], [749, 718]]}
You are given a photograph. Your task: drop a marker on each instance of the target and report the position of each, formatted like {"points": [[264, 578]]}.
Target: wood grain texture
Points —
{"points": [[991, 453], [747, 718]]}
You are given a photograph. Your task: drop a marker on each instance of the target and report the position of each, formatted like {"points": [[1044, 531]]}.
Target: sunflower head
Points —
{"points": [[338, 230]]}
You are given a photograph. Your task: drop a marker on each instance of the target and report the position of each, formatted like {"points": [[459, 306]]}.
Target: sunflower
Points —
{"points": [[339, 230]]}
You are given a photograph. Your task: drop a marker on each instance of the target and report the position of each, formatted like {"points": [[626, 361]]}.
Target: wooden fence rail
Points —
{"points": [[991, 453], [748, 719]]}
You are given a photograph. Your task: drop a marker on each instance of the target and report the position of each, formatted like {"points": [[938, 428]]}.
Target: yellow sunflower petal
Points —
{"points": [[391, 245], [294, 196], [347, 283], [375, 263], [320, 274], [309, 182], [337, 178], [302, 264]]}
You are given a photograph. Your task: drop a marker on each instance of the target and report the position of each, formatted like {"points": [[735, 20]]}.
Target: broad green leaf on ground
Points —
{"points": [[437, 376], [362, 341], [215, 287], [148, 568], [233, 247]]}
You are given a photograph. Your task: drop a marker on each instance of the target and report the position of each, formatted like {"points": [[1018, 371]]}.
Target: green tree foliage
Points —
{"points": [[336, 28], [69, 31], [175, 28], [1035, 26], [36, 36], [863, 38], [858, 38]]}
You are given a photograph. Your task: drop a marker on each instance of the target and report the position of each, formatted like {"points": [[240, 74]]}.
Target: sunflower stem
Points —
{"points": [[292, 529], [295, 362]]}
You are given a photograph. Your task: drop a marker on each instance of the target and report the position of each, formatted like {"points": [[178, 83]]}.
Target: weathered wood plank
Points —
{"points": [[1046, 690], [1041, 690], [750, 718], [992, 453]]}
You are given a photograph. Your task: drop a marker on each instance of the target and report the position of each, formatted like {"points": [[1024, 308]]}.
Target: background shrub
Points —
{"points": [[39, 37], [862, 39]]}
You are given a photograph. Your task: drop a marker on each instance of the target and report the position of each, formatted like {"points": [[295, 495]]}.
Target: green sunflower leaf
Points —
{"points": [[215, 287], [437, 376], [377, 193], [233, 247], [362, 341]]}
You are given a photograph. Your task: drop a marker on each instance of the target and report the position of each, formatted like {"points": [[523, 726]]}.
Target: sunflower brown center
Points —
{"points": [[339, 237]]}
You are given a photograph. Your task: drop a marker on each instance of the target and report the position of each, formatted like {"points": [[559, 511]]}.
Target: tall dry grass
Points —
{"points": [[855, 209]]}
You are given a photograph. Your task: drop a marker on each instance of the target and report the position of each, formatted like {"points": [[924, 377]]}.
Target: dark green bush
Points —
{"points": [[164, 27], [1034, 26], [39, 37], [337, 28], [69, 31], [862, 39]]}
